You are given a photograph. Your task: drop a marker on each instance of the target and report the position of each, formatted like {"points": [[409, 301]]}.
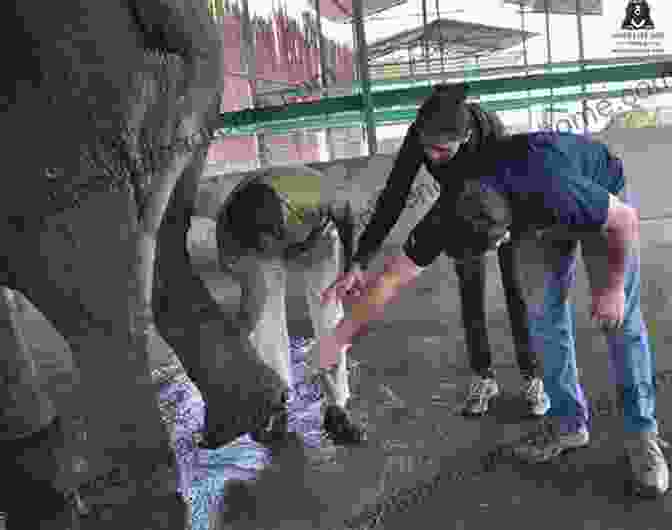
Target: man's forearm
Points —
{"points": [[622, 234], [371, 306]]}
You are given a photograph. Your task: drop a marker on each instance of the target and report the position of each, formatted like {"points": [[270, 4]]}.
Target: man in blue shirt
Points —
{"points": [[552, 190]]}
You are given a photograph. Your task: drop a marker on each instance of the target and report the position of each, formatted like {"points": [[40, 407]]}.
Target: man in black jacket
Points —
{"points": [[446, 132]]}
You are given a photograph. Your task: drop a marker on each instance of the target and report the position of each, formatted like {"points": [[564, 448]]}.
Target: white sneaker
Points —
{"points": [[649, 467], [536, 398], [481, 391], [547, 442]]}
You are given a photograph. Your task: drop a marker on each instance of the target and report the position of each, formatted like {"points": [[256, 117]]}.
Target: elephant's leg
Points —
{"points": [[239, 390], [29, 432], [80, 273]]}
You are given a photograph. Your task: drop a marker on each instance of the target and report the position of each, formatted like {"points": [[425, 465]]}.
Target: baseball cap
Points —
{"points": [[444, 116]]}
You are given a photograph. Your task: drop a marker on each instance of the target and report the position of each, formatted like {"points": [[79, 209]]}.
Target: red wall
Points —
{"points": [[284, 53]]}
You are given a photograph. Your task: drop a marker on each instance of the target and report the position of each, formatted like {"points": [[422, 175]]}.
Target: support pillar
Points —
{"points": [[525, 62], [324, 77], [579, 27], [249, 66], [364, 78], [549, 58]]}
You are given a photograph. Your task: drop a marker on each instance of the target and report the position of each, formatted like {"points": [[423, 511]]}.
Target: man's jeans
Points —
{"points": [[547, 267], [263, 310]]}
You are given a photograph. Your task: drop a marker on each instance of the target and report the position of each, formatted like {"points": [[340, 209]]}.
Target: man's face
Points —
{"points": [[443, 149]]}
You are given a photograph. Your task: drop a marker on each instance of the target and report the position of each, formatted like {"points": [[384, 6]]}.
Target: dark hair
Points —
{"points": [[457, 90], [254, 210], [445, 111]]}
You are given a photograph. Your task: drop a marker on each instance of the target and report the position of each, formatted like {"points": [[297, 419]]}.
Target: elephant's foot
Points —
{"points": [[272, 431], [253, 403], [29, 468], [240, 392]]}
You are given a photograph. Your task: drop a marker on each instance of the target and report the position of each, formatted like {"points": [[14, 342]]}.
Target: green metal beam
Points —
{"points": [[401, 116], [324, 110], [381, 84]]}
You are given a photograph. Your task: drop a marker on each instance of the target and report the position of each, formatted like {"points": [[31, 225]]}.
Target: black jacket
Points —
{"points": [[485, 126]]}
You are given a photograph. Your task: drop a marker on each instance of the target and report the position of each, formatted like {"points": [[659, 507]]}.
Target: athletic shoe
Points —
{"points": [[340, 428], [537, 400], [650, 472], [481, 391], [547, 442]]}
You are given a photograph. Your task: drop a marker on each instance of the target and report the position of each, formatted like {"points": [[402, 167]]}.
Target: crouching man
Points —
{"points": [[552, 190], [270, 220]]}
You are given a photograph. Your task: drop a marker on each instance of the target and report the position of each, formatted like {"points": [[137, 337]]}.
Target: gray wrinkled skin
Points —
{"points": [[107, 109]]}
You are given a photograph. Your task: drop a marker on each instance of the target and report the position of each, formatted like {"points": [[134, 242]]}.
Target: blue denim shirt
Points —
{"points": [[555, 179]]}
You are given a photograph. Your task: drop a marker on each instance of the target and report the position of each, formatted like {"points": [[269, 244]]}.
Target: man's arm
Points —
{"points": [[622, 233], [392, 199]]}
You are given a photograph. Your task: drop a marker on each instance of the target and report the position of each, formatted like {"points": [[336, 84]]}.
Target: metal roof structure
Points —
{"points": [[560, 7], [458, 39], [341, 10]]}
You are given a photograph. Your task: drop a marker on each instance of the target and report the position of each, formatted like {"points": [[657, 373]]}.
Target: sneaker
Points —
{"points": [[650, 471], [547, 442], [340, 428], [481, 391], [537, 400]]}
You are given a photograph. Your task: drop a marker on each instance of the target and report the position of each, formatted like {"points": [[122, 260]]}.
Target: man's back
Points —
{"points": [[531, 161]]}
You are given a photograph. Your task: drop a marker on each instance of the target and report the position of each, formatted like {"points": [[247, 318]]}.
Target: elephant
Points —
{"points": [[94, 233]]}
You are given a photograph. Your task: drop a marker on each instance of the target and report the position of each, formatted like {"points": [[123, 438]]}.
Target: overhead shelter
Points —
{"points": [[559, 7], [457, 40], [341, 10]]}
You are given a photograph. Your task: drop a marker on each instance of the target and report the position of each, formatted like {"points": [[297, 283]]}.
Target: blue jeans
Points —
{"points": [[551, 263]]}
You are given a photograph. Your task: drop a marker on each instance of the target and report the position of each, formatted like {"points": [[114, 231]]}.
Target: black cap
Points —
{"points": [[444, 113]]}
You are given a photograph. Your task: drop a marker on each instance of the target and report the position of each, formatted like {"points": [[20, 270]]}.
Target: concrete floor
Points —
{"points": [[411, 373]]}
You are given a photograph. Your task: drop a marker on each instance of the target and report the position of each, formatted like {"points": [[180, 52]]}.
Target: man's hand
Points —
{"points": [[347, 284], [619, 237], [608, 308]]}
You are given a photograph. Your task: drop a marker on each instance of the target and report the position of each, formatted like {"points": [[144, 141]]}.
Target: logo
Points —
{"points": [[638, 33], [637, 16]]}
